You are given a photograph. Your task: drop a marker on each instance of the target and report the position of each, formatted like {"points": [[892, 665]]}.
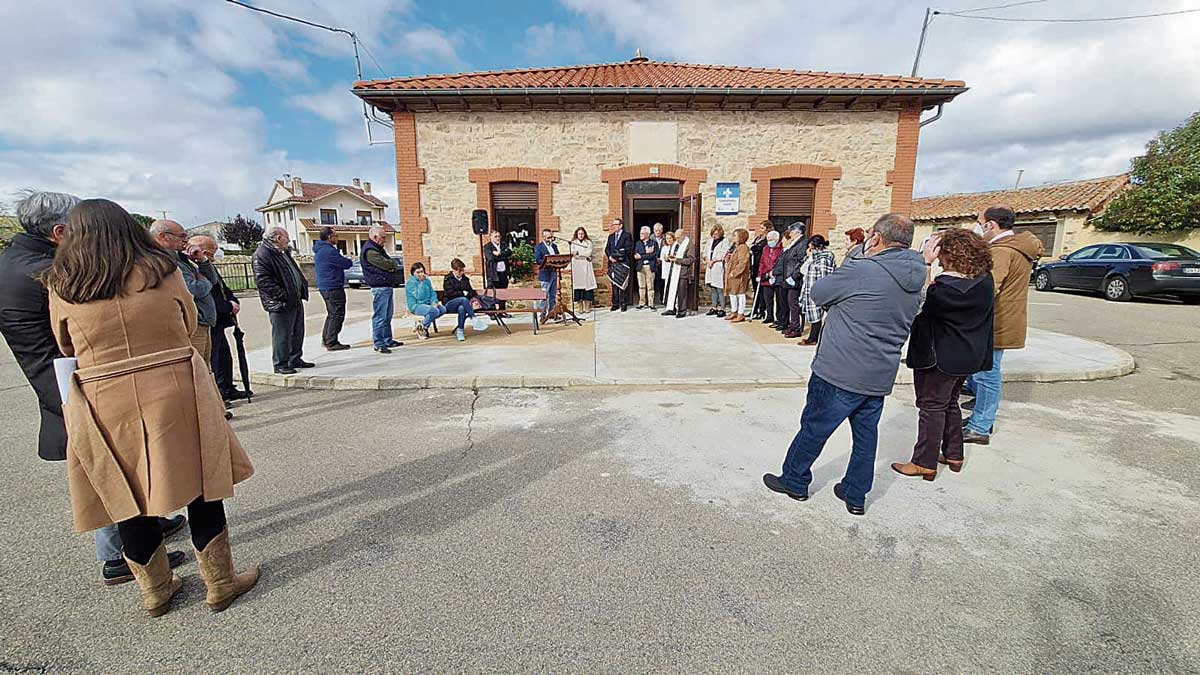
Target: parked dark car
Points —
{"points": [[1123, 270], [354, 277]]}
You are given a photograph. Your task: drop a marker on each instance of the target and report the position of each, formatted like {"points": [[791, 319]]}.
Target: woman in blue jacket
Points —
{"points": [[422, 300]]}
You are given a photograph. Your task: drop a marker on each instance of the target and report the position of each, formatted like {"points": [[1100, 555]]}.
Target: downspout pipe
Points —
{"points": [[936, 117]]}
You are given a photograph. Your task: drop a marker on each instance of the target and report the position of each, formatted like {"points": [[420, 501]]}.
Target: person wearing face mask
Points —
{"points": [[870, 305], [737, 276], [1013, 256], [772, 295], [228, 307], [756, 252]]}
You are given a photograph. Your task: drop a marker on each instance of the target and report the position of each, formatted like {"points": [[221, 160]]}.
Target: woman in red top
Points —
{"points": [[773, 297]]}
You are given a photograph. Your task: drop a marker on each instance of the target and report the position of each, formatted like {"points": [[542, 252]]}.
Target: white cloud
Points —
{"points": [[142, 102], [430, 45], [550, 42], [1061, 101]]}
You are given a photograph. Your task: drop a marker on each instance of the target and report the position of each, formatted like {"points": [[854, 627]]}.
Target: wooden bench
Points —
{"points": [[506, 294]]}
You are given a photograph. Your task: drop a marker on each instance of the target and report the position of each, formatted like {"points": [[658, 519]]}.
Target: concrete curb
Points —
{"points": [[1124, 366]]}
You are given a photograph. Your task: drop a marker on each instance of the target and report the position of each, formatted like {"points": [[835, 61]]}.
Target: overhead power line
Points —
{"points": [[1011, 4], [1095, 20]]}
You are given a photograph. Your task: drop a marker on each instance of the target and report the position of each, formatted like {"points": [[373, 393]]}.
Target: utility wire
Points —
{"points": [[290, 18], [373, 59], [1096, 20], [1011, 4]]}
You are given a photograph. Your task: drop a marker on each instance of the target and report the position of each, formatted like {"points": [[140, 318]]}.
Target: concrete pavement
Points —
{"points": [[634, 348]]}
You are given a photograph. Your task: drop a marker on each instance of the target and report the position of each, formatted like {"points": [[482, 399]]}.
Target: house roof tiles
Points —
{"points": [[1083, 195], [311, 192]]}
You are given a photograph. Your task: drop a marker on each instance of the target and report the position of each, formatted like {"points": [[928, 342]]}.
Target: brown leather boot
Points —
{"points": [[910, 469], [158, 583], [738, 318], [216, 567], [954, 464]]}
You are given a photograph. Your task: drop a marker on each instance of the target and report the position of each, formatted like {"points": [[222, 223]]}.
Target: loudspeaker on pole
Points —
{"points": [[479, 221]]}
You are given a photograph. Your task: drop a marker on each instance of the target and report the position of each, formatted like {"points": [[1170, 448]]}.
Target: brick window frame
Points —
{"points": [[545, 180], [616, 178], [823, 220]]}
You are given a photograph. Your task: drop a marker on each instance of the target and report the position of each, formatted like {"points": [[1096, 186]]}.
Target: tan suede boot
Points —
{"points": [[158, 583], [216, 568]]}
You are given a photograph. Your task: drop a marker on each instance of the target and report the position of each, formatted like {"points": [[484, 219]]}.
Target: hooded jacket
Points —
{"points": [[953, 332], [871, 304], [330, 266], [1012, 260]]}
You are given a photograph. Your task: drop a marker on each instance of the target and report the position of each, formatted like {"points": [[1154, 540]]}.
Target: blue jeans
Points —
{"points": [[824, 411], [717, 295], [461, 306], [382, 307], [551, 289], [429, 312], [986, 387], [108, 543]]}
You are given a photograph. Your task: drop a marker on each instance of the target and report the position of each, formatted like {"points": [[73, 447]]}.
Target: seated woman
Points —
{"points": [[951, 339], [457, 292], [422, 300]]}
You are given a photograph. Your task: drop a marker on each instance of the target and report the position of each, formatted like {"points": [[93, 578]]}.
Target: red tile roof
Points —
{"points": [[310, 192], [649, 74], [1084, 195]]}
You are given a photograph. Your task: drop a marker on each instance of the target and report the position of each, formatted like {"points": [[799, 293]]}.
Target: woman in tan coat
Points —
{"points": [[737, 276], [146, 433]]}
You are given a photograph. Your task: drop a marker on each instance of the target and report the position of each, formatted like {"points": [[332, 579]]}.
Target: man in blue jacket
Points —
{"points": [[331, 268], [546, 276], [871, 301]]}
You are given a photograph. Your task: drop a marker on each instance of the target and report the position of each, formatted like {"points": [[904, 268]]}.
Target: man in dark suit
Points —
{"points": [[684, 259], [495, 261], [228, 307], [547, 277], [619, 249]]}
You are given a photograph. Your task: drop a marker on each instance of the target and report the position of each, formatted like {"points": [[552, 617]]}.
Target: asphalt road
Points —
{"points": [[554, 531]]}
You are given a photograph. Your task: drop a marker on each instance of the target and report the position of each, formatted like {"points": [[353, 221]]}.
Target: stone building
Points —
{"points": [[570, 147], [1059, 214]]}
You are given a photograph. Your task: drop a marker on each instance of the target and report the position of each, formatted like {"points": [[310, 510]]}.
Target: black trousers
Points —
{"points": [[221, 362], [142, 535], [939, 426], [501, 281], [620, 298], [335, 315], [764, 301], [795, 314], [287, 336]]}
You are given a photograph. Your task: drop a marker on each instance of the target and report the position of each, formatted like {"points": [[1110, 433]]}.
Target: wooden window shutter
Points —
{"points": [[792, 197], [516, 196]]}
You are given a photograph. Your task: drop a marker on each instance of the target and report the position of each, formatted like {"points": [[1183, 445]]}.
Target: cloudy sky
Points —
{"points": [[195, 106]]}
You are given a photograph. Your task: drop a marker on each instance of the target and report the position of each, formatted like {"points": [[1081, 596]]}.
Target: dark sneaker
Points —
{"points": [[336, 347], [228, 415], [303, 364], [116, 572], [978, 439], [383, 350], [395, 343], [775, 484], [854, 510], [967, 405], [669, 312], [172, 526], [285, 371]]}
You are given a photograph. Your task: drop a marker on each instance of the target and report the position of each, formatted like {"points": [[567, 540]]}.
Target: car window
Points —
{"points": [[1084, 253], [1111, 252], [1164, 251]]}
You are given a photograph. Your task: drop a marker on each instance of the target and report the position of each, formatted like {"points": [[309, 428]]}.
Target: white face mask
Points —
{"points": [[219, 255], [979, 229]]}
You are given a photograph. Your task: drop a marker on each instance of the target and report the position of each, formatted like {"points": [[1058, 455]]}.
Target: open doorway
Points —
{"points": [[648, 202]]}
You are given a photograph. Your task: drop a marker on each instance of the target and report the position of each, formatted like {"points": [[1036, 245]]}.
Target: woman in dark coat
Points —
{"points": [[951, 339]]}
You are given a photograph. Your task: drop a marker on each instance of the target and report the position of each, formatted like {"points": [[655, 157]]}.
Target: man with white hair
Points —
{"points": [[227, 307], [283, 290], [25, 324], [382, 274]]}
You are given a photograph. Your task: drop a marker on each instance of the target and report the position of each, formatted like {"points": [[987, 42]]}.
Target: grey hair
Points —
{"points": [[895, 228], [796, 227], [271, 234], [644, 230], [376, 230], [39, 212]]}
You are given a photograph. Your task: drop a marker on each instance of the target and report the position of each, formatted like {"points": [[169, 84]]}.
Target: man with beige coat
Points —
{"points": [[1013, 257]]}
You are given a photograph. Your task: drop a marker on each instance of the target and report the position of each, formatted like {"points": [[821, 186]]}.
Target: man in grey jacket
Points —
{"points": [[871, 302]]}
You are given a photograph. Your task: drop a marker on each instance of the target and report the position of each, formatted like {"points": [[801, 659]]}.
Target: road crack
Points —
{"points": [[471, 423]]}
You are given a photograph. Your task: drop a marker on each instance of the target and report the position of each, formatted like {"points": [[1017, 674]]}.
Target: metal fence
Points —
{"points": [[238, 276]]}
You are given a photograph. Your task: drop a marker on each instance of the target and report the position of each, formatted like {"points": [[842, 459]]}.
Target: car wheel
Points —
{"points": [[1116, 288], [1042, 281]]}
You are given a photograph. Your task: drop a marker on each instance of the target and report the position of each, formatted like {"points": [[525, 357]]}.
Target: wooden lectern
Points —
{"points": [[557, 263]]}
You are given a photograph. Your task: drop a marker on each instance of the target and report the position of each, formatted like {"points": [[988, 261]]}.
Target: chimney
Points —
{"points": [[366, 186], [297, 186], [357, 183]]}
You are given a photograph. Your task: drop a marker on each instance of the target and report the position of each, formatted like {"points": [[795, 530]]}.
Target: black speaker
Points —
{"points": [[479, 223]]}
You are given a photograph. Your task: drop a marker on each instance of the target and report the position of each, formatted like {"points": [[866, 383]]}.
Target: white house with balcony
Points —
{"points": [[305, 208]]}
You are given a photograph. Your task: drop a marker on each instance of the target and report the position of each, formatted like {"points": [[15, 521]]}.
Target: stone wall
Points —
{"points": [[726, 144]]}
